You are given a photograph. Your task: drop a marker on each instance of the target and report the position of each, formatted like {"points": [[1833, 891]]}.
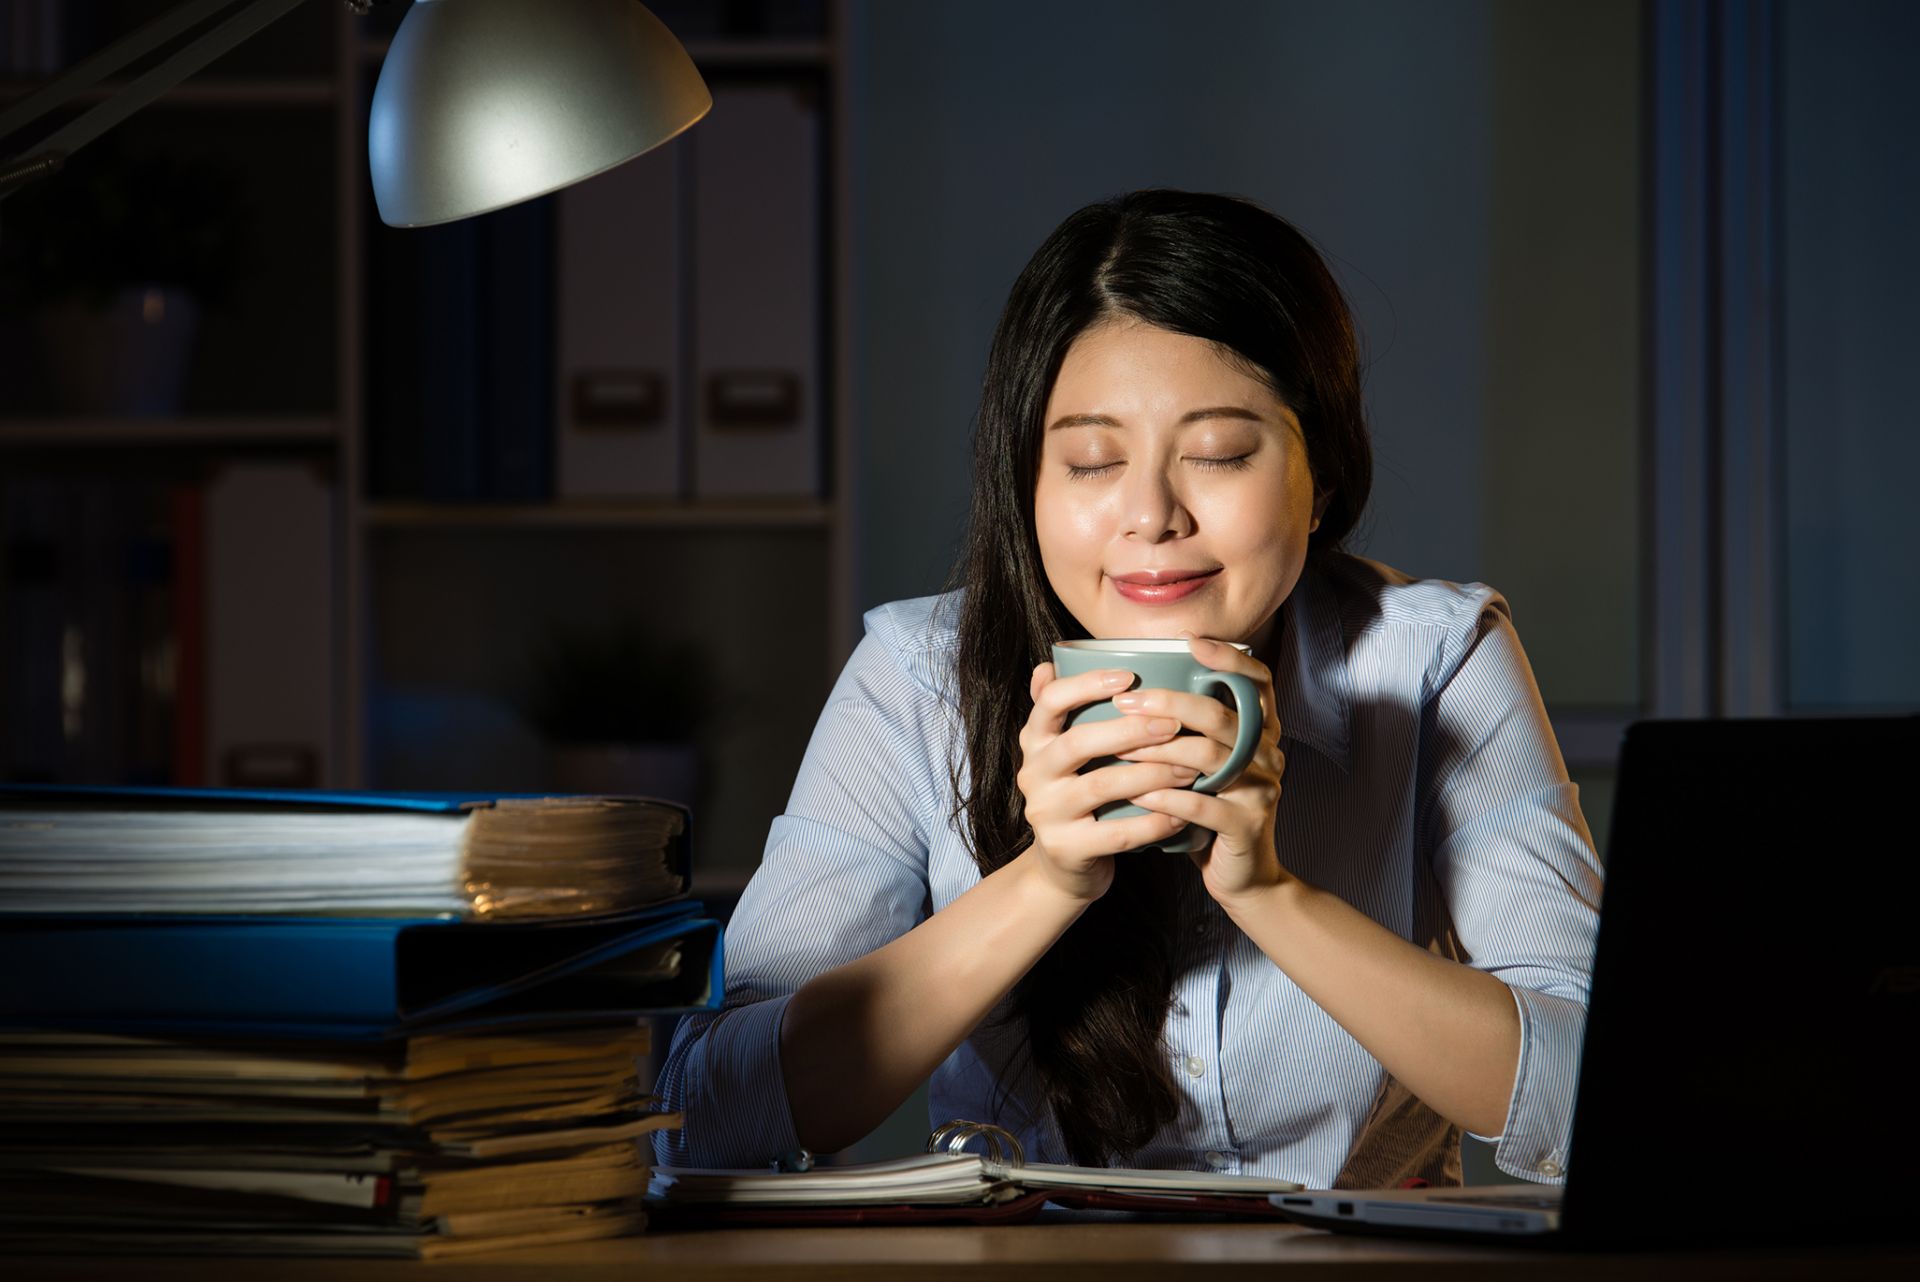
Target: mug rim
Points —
{"points": [[1140, 645]]}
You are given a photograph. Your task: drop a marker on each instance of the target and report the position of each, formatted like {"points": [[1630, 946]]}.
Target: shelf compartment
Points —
{"points": [[578, 515], [302, 92], [74, 433], [707, 55]]}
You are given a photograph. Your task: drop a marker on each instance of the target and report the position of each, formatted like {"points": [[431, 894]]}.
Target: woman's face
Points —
{"points": [[1173, 491]]}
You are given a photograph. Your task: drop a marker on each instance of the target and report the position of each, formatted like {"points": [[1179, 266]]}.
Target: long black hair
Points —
{"points": [[1213, 267]]}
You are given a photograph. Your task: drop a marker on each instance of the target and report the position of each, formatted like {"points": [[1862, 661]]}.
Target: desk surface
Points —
{"points": [[1054, 1252]]}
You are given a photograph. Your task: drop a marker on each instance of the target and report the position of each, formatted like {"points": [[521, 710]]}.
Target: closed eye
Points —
{"points": [[1236, 463]]}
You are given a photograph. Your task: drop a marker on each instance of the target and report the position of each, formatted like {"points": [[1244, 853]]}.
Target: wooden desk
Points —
{"points": [[1053, 1252]]}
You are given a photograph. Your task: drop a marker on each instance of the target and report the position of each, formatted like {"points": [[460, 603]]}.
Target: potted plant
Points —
{"points": [[118, 255], [620, 710]]}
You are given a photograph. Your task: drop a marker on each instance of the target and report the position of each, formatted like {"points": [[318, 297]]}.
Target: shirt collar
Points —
{"points": [[1311, 682]]}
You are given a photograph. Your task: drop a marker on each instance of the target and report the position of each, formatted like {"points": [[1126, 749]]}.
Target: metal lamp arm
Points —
{"points": [[51, 154]]}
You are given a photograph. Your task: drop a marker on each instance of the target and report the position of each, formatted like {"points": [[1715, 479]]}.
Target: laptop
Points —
{"points": [[1748, 1073]]}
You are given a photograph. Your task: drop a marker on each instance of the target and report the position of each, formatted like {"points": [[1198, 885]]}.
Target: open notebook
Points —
{"points": [[949, 1185]]}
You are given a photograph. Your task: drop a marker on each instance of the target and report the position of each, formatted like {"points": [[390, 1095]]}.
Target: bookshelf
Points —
{"points": [[81, 432], [711, 515], [425, 598], [306, 91]]}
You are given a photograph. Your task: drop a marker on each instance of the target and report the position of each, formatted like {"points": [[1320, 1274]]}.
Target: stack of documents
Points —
{"points": [[354, 1025], [209, 850], [439, 1145]]}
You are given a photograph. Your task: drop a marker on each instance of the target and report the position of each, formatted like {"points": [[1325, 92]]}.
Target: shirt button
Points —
{"points": [[1550, 1168], [1199, 928], [1219, 1161], [1195, 1066]]}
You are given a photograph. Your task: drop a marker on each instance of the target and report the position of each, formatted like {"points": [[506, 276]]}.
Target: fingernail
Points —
{"points": [[1116, 680], [1131, 699], [1162, 725], [1185, 775]]}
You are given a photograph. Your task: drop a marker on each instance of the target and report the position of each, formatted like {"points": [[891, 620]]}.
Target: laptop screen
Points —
{"points": [[1756, 978]]}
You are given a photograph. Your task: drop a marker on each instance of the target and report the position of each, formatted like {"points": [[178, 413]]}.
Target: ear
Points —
{"points": [[1319, 509]]}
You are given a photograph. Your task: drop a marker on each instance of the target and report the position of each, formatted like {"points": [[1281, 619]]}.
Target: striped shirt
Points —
{"points": [[1423, 785]]}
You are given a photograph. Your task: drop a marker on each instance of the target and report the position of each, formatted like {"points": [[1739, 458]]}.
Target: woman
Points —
{"points": [[1388, 940]]}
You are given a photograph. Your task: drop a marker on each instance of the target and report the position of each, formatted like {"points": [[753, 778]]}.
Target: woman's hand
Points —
{"points": [[1242, 860], [1073, 850]]}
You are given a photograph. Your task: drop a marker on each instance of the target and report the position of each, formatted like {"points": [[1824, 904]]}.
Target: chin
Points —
{"points": [[1170, 623]]}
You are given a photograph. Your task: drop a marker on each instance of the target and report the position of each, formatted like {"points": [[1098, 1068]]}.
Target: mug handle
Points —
{"points": [[1246, 700]]}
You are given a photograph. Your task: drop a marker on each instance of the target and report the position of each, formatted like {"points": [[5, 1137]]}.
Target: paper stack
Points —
{"points": [[223, 850], [438, 1146], [240, 1026]]}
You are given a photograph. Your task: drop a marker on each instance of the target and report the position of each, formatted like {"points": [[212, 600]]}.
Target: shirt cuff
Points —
{"points": [[730, 1087], [1533, 1145]]}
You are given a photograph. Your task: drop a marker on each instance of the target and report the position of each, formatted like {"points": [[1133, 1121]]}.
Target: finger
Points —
{"points": [[1222, 657], [1042, 674], [1269, 764], [1192, 750], [1045, 759], [1091, 740], [1084, 794], [1115, 836], [1062, 695], [1055, 696], [1192, 807], [1198, 712]]}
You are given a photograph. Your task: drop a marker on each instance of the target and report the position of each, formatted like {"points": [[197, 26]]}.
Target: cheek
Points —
{"points": [[1256, 521], [1070, 527]]}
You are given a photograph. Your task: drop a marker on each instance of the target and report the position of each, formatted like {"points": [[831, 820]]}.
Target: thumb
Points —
{"points": [[1042, 677]]}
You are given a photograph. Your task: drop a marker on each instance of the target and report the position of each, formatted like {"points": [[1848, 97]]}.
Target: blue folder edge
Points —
{"points": [[52, 954], [433, 802]]}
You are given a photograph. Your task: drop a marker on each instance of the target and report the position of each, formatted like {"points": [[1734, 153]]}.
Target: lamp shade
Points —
{"points": [[482, 104]]}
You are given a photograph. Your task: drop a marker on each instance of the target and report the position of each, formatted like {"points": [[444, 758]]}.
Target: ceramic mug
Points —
{"points": [[1165, 664]]}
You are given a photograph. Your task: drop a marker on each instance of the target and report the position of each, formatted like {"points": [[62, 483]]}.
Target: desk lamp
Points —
{"points": [[480, 104]]}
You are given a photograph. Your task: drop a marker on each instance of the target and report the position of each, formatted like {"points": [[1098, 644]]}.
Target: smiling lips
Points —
{"points": [[1159, 587]]}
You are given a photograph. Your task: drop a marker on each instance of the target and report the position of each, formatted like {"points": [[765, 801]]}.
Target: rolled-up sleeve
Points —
{"points": [[1515, 862], [844, 872]]}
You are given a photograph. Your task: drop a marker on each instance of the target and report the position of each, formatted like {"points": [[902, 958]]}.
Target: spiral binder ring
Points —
{"points": [[1000, 1144]]}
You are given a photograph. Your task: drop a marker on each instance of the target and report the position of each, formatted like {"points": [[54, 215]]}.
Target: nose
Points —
{"points": [[1155, 510]]}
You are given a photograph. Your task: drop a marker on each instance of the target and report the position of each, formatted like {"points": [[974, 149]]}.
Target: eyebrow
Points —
{"points": [[1191, 416]]}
